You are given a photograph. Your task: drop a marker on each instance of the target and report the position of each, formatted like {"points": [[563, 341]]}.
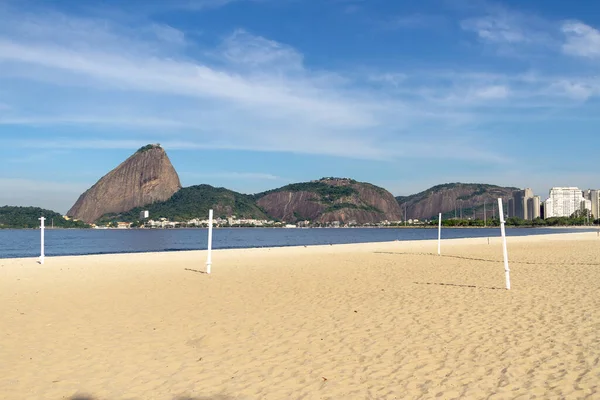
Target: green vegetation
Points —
{"points": [[194, 202], [341, 206], [299, 217], [518, 222], [147, 147], [327, 193], [27, 217], [479, 190], [333, 178]]}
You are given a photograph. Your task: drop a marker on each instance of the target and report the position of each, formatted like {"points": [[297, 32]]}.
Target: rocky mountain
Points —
{"points": [[329, 200], [454, 200], [144, 178], [194, 202]]}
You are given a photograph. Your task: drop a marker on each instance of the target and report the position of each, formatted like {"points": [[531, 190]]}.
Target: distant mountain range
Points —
{"points": [[330, 199], [461, 200], [148, 181]]}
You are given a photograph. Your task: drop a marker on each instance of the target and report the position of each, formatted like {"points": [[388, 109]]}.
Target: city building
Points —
{"points": [[510, 212], [144, 214], [564, 202], [594, 197], [522, 205], [533, 207]]}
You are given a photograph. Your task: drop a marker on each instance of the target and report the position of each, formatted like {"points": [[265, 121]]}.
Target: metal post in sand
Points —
{"points": [[504, 249], [42, 219], [210, 225], [440, 234]]}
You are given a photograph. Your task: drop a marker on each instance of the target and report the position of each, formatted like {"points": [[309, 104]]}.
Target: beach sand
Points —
{"points": [[362, 321]]}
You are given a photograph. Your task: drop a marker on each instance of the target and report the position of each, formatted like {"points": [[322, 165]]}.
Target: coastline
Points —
{"points": [[319, 247]]}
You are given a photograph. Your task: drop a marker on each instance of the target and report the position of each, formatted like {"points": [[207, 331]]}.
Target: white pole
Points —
{"points": [[210, 224], [440, 234], [42, 219], [484, 215], [504, 249]]}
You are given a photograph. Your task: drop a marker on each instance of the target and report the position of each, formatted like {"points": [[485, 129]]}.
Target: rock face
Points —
{"points": [[451, 198], [329, 200], [144, 178]]}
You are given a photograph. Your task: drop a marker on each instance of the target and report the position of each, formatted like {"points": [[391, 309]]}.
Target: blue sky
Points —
{"points": [[254, 94]]}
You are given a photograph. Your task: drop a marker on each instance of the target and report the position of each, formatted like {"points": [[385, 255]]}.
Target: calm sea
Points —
{"points": [[26, 243]]}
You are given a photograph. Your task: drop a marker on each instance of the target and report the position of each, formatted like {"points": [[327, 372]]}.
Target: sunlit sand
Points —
{"points": [[379, 321]]}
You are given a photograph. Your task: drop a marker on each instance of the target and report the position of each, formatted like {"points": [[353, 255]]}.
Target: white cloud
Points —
{"points": [[148, 122], [578, 90], [249, 93], [497, 29], [246, 49], [510, 31], [492, 92], [581, 40], [258, 97], [168, 34]]}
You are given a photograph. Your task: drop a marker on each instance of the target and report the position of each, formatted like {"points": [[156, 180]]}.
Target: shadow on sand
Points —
{"points": [[487, 259], [457, 285], [196, 271]]}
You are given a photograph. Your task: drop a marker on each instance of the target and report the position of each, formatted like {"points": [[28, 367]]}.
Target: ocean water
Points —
{"points": [[26, 243]]}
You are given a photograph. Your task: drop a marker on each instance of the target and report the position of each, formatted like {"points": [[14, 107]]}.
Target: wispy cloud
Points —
{"points": [[250, 93], [254, 93], [492, 92], [581, 40], [512, 32], [496, 29], [247, 50]]}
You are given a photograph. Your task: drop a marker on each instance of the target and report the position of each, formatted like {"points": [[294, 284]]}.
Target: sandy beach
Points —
{"points": [[362, 321]]}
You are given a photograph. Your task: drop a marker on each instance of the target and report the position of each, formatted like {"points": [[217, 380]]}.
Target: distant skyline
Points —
{"points": [[255, 94]]}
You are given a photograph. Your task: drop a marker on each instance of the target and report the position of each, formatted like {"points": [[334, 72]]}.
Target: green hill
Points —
{"points": [[194, 202], [27, 217]]}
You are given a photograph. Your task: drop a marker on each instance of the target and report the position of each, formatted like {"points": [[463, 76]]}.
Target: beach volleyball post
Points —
{"points": [[210, 224], [42, 219], [440, 234], [504, 249]]}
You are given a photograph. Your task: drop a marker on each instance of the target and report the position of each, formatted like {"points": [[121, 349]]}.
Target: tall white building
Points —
{"points": [[533, 207], [594, 197], [564, 201]]}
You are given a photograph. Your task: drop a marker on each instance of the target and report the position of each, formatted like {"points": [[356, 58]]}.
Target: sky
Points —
{"points": [[255, 94]]}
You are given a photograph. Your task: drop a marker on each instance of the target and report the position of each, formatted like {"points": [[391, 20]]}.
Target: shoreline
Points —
{"points": [[338, 246], [314, 227]]}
